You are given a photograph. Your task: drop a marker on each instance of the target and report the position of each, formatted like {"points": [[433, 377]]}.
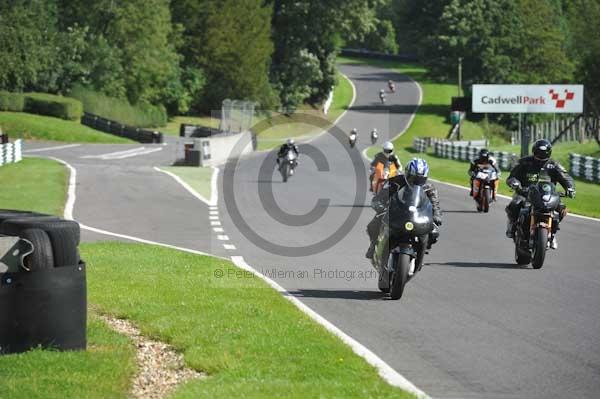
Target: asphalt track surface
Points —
{"points": [[472, 324]]}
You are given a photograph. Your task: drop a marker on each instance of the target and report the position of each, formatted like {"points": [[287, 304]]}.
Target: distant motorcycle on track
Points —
{"points": [[287, 164], [485, 180]]}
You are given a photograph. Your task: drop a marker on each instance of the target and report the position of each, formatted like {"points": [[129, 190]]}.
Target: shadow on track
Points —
{"points": [[488, 265], [339, 294]]}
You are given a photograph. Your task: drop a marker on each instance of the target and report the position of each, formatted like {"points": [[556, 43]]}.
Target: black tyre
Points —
{"points": [[285, 170], [42, 256], [539, 248], [522, 257], [486, 199], [64, 236], [399, 278], [383, 282], [6, 214]]}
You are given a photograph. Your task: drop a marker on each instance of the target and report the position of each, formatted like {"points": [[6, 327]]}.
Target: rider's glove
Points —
{"points": [[515, 185], [437, 220], [571, 192]]}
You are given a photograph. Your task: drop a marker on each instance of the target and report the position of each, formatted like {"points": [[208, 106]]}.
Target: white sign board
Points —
{"points": [[528, 99]]}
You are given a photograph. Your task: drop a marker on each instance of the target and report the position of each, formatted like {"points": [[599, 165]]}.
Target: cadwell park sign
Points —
{"points": [[527, 99]]}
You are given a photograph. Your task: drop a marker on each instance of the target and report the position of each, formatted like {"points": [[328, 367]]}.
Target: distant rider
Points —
{"points": [[290, 145], [383, 158], [374, 135], [417, 172], [526, 173], [382, 95], [391, 85], [484, 159]]}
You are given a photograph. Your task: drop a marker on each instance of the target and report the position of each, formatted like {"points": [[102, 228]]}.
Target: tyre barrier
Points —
{"points": [[11, 152], [43, 295], [118, 129], [587, 168], [505, 160]]}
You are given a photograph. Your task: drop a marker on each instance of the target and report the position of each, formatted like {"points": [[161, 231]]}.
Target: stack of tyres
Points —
{"points": [[44, 304]]}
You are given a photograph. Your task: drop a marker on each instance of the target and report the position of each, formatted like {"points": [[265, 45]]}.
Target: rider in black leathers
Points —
{"points": [[381, 201], [527, 172], [290, 145], [484, 158]]}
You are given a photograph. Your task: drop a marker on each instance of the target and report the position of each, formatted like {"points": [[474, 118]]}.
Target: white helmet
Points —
{"points": [[388, 147], [291, 141], [381, 91], [374, 130], [354, 131]]}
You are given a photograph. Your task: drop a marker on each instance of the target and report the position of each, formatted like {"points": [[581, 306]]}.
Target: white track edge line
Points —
{"points": [[108, 155], [184, 185], [384, 370], [60, 147]]}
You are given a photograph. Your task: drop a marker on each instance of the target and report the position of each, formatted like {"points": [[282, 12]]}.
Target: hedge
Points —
{"points": [[141, 115], [51, 105], [14, 102]]}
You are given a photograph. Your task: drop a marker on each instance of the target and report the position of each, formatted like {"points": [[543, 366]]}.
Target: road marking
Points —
{"points": [[213, 212], [71, 195], [213, 217], [218, 229], [213, 208], [215, 223], [229, 247], [184, 185], [385, 370], [59, 147], [214, 192], [124, 154], [222, 237]]}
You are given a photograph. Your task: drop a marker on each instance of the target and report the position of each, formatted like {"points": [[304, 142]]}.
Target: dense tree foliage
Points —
{"points": [[192, 54]]}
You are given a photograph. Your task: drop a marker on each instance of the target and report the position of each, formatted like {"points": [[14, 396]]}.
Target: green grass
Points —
{"points": [[33, 184], [198, 178], [430, 121], [250, 340], [104, 370], [172, 128], [37, 127]]}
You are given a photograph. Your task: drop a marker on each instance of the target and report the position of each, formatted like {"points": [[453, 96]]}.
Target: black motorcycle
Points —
{"points": [[403, 239], [534, 230], [287, 164]]}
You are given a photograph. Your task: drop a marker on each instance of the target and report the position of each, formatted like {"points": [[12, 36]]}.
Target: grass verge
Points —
{"points": [[198, 178], [251, 340], [430, 121], [33, 184], [106, 368], [103, 371], [37, 127]]}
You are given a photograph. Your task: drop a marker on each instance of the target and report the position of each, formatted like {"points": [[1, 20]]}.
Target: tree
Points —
{"points": [[230, 41]]}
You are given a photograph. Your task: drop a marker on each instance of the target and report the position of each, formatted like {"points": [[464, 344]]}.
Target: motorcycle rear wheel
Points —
{"points": [[539, 248], [399, 278]]}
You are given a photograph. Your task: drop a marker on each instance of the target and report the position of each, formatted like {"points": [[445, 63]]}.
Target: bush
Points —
{"points": [[14, 102], [51, 105], [142, 115]]}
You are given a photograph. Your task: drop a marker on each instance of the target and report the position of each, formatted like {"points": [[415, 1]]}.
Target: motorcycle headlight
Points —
{"points": [[546, 197], [409, 226], [412, 208]]}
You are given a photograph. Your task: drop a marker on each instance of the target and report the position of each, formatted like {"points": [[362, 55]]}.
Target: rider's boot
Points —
{"points": [[510, 229], [371, 250], [554, 242]]}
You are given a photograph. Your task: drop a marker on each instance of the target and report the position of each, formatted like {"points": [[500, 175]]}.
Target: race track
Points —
{"points": [[472, 324]]}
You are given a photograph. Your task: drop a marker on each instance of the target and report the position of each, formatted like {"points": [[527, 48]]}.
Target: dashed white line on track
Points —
{"points": [[222, 237], [218, 229], [229, 247], [215, 223], [213, 217]]}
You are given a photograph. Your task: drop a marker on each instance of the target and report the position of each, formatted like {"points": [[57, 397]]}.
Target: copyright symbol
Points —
{"points": [[218, 273]]}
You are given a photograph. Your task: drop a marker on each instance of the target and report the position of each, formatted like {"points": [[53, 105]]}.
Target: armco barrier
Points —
{"points": [[11, 152], [587, 168], [505, 160], [118, 129]]}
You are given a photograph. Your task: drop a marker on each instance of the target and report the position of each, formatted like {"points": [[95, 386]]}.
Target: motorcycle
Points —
{"points": [[534, 231], [352, 140], [287, 163], [374, 137], [484, 187], [402, 241]]}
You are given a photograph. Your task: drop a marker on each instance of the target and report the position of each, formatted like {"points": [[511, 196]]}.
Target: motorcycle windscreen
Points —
{"points": [[411, 211]]}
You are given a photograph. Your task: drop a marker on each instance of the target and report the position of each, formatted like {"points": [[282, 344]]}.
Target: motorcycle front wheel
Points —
{"points": [[285, 170], [486, 199], [399, 277], [539, 248]]}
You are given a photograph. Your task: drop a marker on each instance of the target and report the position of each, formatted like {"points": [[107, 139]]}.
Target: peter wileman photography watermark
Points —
{"points": [[313, 273]]}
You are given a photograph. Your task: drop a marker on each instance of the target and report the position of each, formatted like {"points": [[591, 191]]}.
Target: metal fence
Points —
{"points": [[587, 168], [11, 152], [551, 129], [236, 116], [505, 160], [118, 129]]}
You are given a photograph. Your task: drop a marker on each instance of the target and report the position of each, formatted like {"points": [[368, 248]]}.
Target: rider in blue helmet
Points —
{"points": [[415, 173]]}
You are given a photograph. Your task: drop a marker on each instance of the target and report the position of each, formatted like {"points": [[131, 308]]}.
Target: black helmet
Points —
{"points": [[484, 154], [542, 149]]}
